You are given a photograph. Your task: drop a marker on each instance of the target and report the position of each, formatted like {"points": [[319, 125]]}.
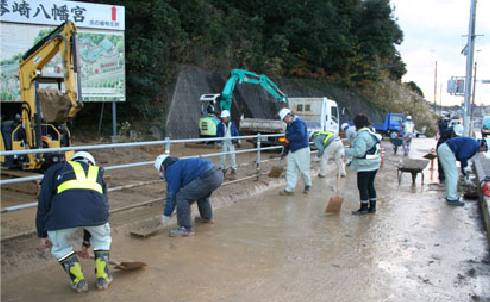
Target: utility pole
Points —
{"points": [[440, 99], [435, 85], [469, 68]]}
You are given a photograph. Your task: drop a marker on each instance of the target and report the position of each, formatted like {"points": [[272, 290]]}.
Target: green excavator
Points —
{"points": [[209, 121]]}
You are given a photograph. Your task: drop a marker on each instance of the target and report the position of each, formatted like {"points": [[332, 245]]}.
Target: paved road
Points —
{"points": [[271, 248]]}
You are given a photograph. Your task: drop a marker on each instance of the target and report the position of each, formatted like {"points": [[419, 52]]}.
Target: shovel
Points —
{"points": [[123, 265], [276, 171], [144, 233], [335, 203]]}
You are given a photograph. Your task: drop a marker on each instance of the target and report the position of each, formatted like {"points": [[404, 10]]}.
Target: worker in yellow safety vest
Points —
{"points": [[328, 144], [408, 131], [74, 195]]}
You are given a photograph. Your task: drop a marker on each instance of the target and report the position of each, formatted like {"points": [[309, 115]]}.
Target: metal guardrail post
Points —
{"points": [[258, 156], [167, 145]]}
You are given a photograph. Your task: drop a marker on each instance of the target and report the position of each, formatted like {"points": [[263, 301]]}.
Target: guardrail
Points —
{"points": [[167, 142]]}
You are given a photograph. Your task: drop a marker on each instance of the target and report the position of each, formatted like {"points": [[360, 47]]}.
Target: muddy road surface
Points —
{"points": [[264, 247]]}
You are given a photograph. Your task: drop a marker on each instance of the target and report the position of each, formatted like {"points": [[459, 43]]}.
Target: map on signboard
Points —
{"points": [[100, 33]]}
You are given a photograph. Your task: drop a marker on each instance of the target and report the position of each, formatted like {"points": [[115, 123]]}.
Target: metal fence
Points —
{"points": [[167, 142]]}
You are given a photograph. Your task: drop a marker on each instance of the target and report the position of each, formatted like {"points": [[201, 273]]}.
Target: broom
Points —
{"points": [[335, 203]]}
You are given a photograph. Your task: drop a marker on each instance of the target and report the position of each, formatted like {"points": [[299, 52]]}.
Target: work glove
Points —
{"points": [[342, 152], [219, 145], [467, 170], [164, 219], [316, 158]]}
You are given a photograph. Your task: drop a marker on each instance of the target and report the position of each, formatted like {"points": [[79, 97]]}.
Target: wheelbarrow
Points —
{"points": [[414, 166]]}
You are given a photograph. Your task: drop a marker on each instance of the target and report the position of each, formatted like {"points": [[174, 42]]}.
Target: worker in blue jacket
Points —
{"points": [[74, 195], [298, 151], [460, 149], [188, 181], [227, 129]]}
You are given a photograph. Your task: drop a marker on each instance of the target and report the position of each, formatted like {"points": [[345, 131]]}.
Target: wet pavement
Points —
{"points": [[272, 248]]}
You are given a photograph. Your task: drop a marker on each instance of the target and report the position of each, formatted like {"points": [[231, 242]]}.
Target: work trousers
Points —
{"points": [[298, 160], [440, 169], [406, 143], [199, 190], [100, 239], [332, 149], [365, 185], [227, 146], [448, 161]]}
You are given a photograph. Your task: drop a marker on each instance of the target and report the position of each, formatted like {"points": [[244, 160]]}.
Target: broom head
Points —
{"points": [[334, 204], [276, 172]]}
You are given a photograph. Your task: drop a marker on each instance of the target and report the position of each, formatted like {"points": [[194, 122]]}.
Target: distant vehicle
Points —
{"points": [[391, 125], [455, 121], [485, 126]]}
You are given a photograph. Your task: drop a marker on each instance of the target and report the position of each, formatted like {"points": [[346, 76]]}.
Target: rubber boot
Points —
{"points": [[102, 269], [363, 210], [372, 206], [72, 267], [232, 174]]}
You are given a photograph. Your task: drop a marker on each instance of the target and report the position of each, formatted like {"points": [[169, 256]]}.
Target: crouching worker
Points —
{"points": [[74, 195], [366, 160], [329, 144], [188, 181], [456, 149]]}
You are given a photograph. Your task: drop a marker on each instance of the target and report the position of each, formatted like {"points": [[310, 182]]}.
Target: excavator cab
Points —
{"points": [[208, 123]]}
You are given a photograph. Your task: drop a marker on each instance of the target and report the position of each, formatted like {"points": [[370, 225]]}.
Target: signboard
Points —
{"points": [[100, 38], [54, 12]]}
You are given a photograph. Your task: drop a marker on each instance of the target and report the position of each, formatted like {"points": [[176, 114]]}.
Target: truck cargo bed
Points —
{"points": [[262, 125]]}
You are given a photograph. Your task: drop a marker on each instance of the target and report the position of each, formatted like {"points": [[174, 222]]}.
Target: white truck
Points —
{"points": [[320, 114]]}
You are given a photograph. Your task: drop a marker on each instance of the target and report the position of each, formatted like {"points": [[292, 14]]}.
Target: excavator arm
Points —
{"points": [[62, 40], [241, 76]]}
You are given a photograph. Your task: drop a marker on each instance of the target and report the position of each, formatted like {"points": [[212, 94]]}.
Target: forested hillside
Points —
{"points": [[349, 43]]}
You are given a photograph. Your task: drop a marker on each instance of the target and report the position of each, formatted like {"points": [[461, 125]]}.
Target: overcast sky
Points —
{"points": [[433, 31]]}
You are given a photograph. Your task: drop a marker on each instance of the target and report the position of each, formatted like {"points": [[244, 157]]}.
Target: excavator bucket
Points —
{"points": [[55, 105]]}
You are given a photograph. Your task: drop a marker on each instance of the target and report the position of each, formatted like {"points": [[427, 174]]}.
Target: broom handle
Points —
{"points": [[338, 180]]}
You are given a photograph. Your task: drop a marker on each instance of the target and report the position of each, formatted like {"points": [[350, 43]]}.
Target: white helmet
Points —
{"points": [[409, 118], [159, 161], [459, 129], [283, 113], [225, 113], [83, 156]]}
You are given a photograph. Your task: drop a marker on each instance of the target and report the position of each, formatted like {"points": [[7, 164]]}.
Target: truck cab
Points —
{"points": [[391, 126], [319, 114]]}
